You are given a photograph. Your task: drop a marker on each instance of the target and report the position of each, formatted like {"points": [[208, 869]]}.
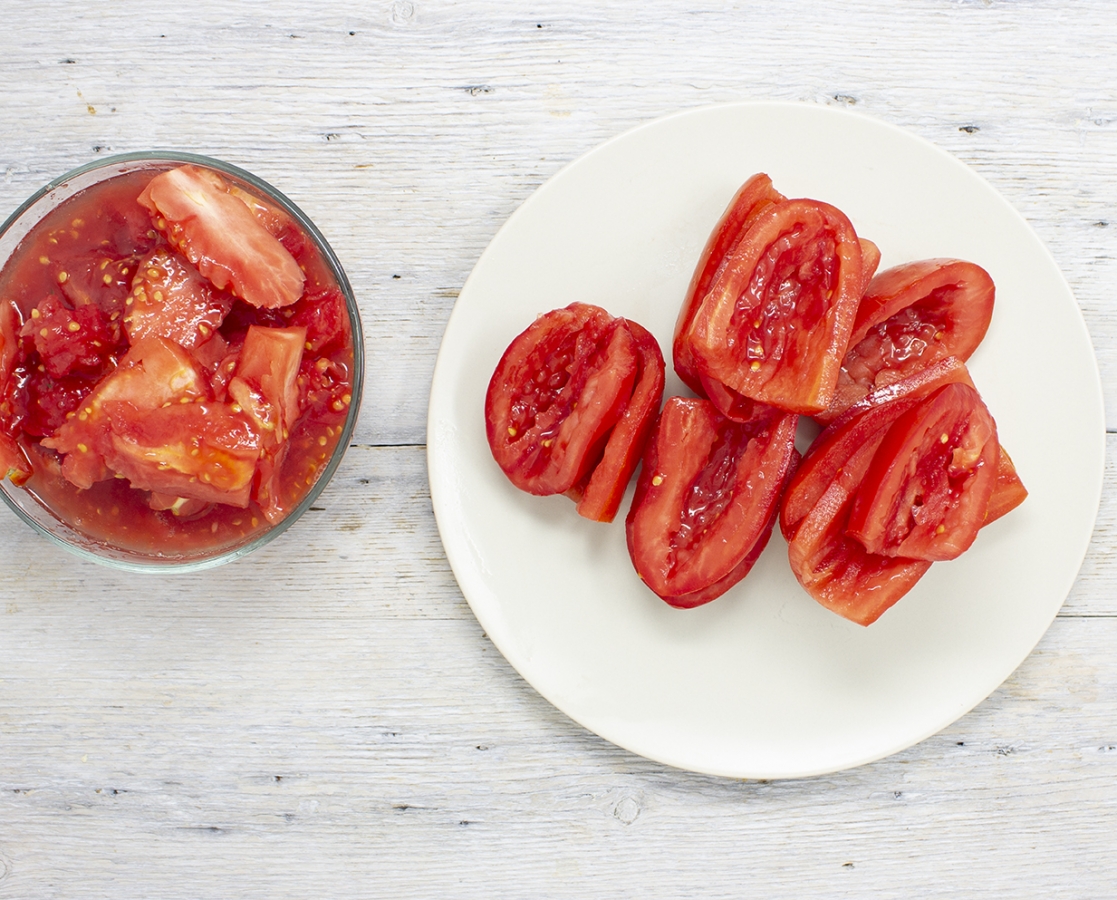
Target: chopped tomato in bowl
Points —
{"points": [[181, 361]]}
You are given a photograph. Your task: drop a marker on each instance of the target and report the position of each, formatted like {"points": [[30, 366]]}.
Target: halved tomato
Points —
{"points": [[926, 494], [831, 563], [707, 498], [601, 496], [776, 321], [556, 395], [910, 317], [754, 196], [219, 234], [836, 569]]}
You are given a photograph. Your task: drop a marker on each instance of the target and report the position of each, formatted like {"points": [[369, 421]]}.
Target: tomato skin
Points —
{"points": [[707, 498], [1008, 492], [556, 394], [910, 317], [926, 494], [220, 235], [777, 318], [602, 495]]}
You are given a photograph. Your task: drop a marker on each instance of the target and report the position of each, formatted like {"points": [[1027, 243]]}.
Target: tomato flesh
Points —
{"points": [[219, 234], [171, 299], [910, 317], [926, 495], [706, 498], [556, 395], [776, 321]]}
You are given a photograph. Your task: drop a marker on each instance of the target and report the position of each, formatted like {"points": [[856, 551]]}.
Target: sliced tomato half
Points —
{"points": [[219, 234], [926, 494], [754, 196], [910, 317], [601, 497], [557, 393], [836, 569], [707, 498], [776, 321]]}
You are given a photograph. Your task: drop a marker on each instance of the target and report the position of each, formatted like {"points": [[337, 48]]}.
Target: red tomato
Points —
{"points": [[707, 498], [836, 569], [926, 494], [776, 321], [833, 565], [220, 235], [557, 393], [154, 372], [910, 317], [754, 196], [601, 497], [171, 299], [198, 450], [266, 388]]}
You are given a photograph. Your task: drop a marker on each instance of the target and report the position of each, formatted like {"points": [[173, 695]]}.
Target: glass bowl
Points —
{"points": [[112, 523]]}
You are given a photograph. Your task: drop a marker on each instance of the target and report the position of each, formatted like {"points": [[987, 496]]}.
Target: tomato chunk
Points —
{"points": [[170, 298], [777, 318], [910, 317], [266, 388], [219, 234], [153, 373], [557, 393], [707, 498], [199, 450], [926, 494]]}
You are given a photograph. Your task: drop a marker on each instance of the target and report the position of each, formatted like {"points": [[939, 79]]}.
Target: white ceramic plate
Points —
{"points": [[763, 682]]}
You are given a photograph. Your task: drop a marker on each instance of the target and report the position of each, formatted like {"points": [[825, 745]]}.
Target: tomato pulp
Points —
{"points": [[174, 380]]}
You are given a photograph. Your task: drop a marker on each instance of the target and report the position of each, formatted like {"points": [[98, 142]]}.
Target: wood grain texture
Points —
{"points": [[326, 718]]}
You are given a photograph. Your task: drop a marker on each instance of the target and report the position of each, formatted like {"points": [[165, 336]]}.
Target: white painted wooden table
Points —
{"points": [[326, 718]]}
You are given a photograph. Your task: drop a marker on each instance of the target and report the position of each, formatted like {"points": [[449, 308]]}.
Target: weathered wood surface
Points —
{"points": [[326, 718]]}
